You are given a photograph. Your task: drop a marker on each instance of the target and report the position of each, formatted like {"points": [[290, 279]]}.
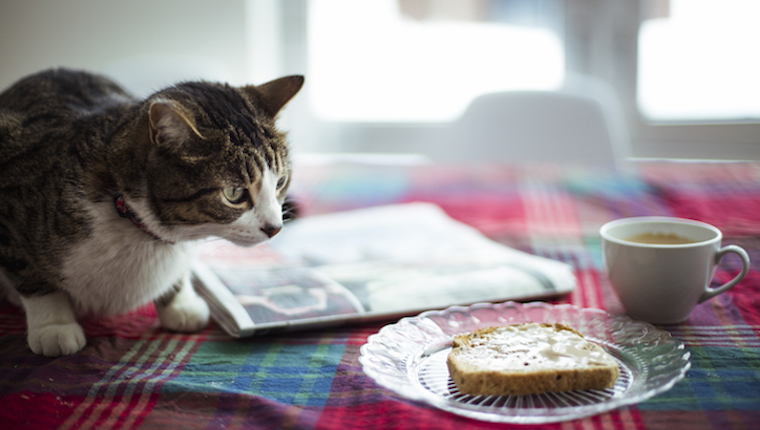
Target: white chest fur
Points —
{"points": [[120, 267]]}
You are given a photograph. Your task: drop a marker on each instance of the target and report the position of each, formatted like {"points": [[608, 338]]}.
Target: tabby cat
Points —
{"points": [[102, 195]]}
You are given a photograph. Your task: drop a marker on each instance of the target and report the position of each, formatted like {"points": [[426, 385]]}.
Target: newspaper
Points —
{"points": [[366, 265]]}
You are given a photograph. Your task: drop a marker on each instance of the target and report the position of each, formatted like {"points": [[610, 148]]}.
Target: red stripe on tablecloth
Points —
{"points": [[50, 410], [491, 213], [133, 325], [115, 411], [390, 414], [12, 320], [701, 419], [130, 408], [619, 419], [746, 297], [629, 418], [733, 213], [150, 403], [95, 399], [589, 291], [584, 295], [550, 212], [134, 413]]}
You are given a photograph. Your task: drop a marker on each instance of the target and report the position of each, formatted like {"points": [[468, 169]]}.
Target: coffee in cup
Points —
{"points": [[662, 267]]}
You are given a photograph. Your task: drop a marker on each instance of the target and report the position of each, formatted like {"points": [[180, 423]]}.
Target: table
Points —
{"points": [[133, 374]]}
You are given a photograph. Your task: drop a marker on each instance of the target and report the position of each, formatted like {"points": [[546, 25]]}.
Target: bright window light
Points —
{"points": [[702, 62], [368, 63]]}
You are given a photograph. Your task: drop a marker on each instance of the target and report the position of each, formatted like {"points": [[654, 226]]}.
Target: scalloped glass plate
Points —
{"points": [[409, 358]]}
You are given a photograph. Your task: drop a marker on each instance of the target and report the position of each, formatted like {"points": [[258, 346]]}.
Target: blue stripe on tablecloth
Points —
{"points": [[720, 376], [287, 373]]}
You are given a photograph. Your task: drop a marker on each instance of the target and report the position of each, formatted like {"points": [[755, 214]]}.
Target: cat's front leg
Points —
{"points": [[182, 309], [51, 325]]}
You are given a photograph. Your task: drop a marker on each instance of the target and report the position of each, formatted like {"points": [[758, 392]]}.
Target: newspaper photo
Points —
{"points": [[366, 265]]}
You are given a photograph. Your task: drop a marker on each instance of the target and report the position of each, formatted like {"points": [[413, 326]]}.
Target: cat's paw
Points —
{"points": [[186, 313], [56, 339]]}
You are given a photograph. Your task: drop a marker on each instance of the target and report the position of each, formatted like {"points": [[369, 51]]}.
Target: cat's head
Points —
{"points": [[217, 164]]}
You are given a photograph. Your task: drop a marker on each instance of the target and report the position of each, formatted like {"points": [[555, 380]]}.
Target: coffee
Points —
{"points": [[660, 239], [662, 267]]}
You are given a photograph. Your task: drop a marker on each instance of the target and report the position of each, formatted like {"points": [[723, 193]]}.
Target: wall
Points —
{"points": [[141, 43]]}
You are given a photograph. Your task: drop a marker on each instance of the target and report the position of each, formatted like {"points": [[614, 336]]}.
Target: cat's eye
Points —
{"points": [[281, 182], [234, 194]]}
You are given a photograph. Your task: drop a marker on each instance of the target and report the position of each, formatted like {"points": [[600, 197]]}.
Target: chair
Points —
{"points": [[581, 123]]}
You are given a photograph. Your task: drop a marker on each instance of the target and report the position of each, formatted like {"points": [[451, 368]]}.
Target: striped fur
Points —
{"points": [[71, 141]]}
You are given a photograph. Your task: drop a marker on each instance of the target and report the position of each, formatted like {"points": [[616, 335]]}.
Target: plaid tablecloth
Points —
{"points": [[133, 374]]}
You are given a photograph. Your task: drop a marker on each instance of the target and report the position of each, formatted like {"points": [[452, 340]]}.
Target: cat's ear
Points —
{"points": [[169, 124], [275, 94]]}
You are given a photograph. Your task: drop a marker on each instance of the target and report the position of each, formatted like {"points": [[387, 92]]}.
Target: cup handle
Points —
{"points": [[712, 292]]}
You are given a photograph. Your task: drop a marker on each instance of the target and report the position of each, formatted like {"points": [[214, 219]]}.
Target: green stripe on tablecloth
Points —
{"points": [[287, 373], [720, 377]]}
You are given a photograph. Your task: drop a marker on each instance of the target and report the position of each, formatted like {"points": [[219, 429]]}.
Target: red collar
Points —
{"points": [[126, 212]]}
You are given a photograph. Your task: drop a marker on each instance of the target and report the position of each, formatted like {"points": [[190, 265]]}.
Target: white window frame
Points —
{"points": [[601, 39]]}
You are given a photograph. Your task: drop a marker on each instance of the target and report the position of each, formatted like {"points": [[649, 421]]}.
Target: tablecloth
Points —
{"points": [[133, 374]]}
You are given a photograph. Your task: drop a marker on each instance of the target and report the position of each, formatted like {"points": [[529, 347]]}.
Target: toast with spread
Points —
{"points": [[530, 358]]}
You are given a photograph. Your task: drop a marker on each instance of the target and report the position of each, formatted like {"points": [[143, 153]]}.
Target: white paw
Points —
{"points": [[186, 313], [56, 339]]}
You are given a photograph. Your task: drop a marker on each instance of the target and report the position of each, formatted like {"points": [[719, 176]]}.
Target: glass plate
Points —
{"points": [[409, 358]]}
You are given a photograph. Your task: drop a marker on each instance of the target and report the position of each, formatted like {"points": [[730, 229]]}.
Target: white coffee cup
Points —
{"points": [[662, 282]]}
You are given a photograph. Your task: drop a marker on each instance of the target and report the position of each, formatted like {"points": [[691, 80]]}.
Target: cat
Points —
{"points": [[102, 195]]}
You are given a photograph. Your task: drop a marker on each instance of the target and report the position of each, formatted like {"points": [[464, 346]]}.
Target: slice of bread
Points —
{"points": [[529, 358]]}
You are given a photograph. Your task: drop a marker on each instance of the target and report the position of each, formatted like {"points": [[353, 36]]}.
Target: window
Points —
{"points": [[698, 61], [381, 73], [417, 61]]}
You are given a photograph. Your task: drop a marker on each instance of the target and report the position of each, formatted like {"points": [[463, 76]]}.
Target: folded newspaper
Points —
{"points": [[366, 265]]}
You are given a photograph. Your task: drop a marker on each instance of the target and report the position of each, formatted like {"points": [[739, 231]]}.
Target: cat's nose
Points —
{"points": [[270, 230]]}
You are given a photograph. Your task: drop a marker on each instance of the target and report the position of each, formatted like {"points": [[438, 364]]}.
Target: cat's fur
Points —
{"points": [[192, 161]]}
